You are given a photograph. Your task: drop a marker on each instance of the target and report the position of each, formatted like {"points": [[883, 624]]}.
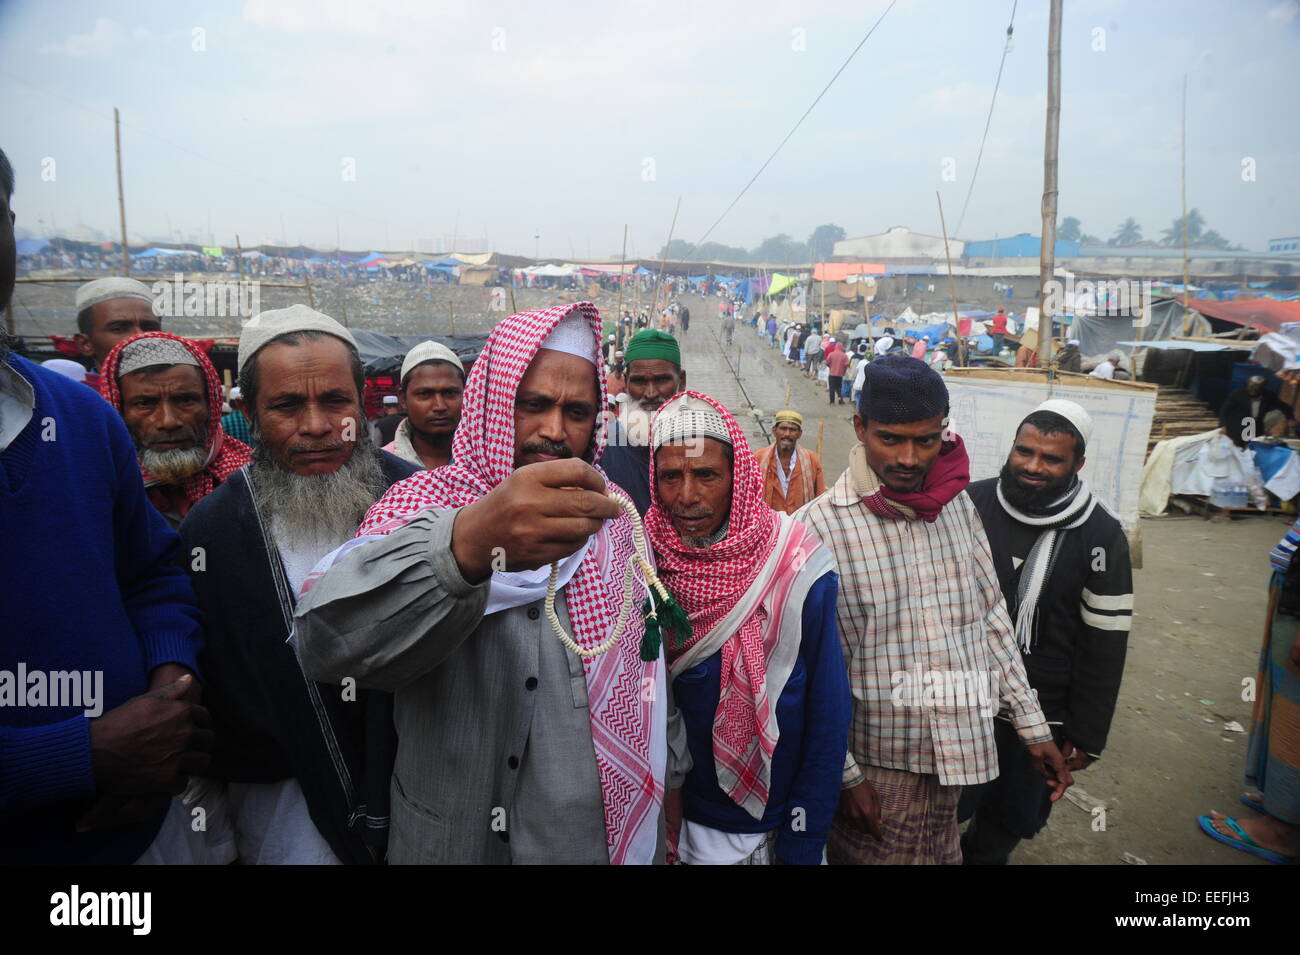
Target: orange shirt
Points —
{"points": [[806, 482]]}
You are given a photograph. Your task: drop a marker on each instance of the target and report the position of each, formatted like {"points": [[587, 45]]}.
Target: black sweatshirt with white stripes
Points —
{"points": [[1084, 615]]}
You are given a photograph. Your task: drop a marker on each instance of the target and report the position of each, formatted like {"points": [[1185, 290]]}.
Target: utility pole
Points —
{"points": [[121, 201], [1047, 266], [1182, 175]]}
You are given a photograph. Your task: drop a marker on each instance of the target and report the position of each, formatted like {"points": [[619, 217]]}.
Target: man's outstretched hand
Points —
{"points": [[542, 513]]}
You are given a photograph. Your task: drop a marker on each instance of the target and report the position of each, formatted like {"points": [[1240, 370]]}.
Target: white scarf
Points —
{"points": [[1068, 511]]}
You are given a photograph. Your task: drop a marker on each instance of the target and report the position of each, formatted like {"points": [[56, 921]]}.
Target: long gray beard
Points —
{"points": [[317, 507], [174, 466]]}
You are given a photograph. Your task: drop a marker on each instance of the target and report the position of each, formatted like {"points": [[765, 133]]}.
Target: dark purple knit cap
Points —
{"points": [[900, 388]]}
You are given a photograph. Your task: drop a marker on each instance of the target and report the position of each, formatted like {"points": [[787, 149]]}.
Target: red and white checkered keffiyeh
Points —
{"points": [[226, 455], [625, 729], [709, 582]]}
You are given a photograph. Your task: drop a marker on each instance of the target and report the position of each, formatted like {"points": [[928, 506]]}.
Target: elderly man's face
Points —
{"points": [[693, 482], [555, 408], [901, 454], [787, 434], [308, 410], [112, 321], [165, 410], [652, 381]]}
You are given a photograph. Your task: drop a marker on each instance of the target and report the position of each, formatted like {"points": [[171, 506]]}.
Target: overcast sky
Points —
{"points": [[568, 120]]}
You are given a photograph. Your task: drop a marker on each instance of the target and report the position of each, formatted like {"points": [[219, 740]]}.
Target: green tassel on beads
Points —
{"points": [[651, 642], [676, 621]]}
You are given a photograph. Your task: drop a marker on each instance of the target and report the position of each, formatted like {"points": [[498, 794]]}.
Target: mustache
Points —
{"points": [[692, 513], [183, 433], [315, 448], [542, 446]]}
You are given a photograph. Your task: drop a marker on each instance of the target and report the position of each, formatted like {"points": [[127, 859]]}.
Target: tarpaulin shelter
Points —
{"points": [[1265, 314], [839, 271], [32, 246], [382, 354], [780, 283], [1099, 335], [156, 253]]}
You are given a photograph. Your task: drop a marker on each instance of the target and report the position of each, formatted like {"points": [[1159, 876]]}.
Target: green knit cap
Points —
{"points": [[652, 343]]}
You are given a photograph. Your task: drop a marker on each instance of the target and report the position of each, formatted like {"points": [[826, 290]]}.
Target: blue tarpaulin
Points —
{"points": [[32, 246], [1270, 458]]}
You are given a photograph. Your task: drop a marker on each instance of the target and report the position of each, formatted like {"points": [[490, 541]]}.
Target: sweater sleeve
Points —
{"points": [[829, 708], [155, 588], [1098, 667]]}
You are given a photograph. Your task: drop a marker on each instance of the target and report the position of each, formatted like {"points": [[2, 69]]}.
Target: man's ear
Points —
{"points": [[1079, 465], [683, 380], [860, 428], [83, 342]]}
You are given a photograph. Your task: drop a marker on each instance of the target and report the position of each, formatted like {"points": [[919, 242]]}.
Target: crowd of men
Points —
{"points": [[527, 629]]}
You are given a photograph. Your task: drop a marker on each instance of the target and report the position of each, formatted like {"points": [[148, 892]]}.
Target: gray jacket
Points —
{"points": [[495, 762]]}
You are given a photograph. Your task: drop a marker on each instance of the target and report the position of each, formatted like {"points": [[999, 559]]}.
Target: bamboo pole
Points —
{"points": [[664, 263], [821, 435], [311, 299], [121, 199], [618, 309], [1047, 264], [952, 286]]}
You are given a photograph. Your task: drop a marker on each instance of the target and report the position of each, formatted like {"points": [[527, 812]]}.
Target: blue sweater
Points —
{"points": [[92, 581], [812, 716]]}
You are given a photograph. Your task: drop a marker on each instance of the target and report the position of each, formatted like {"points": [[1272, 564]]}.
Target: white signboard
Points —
{"points": [[986, 413]]}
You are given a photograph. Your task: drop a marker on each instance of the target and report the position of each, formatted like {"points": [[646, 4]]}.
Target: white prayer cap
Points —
{"points": [[428, 351], [1072, 341], [66, 368], [146, 352], [390, 399], [1072, 413], [685, 418], [573, 337], [236, 393], [264, 326], [105, 290]]}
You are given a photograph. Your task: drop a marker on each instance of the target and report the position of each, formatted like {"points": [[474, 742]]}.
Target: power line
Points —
{"points": [[998, 82], [796, 126]]}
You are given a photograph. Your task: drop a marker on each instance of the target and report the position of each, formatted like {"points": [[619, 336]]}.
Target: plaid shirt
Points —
{"points": [[920, 603]]}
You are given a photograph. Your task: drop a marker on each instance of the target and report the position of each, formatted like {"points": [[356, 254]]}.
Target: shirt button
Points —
{"points": [[530, 683], [513, 762], [533, 613]]}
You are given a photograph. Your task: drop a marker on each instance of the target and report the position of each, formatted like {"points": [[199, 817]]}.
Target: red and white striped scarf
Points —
{"points": [[629, 742], [226, 455], [757, 563]]}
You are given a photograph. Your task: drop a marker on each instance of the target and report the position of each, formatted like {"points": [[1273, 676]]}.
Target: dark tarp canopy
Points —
{"points": [[382, 354]]}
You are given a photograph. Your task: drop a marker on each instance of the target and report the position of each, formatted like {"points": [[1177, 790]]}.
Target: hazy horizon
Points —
{"points": [[396, 125]]}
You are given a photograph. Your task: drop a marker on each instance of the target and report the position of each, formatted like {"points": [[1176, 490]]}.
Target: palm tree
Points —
{"points": [[1212, 240], [1195, 227], [1128, 234]]}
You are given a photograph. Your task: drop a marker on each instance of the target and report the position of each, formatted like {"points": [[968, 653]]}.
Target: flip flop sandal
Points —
{"points": [[1243, 841], [1249, 803]]}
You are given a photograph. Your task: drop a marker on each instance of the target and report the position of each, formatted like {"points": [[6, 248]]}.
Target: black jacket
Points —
{"points": [[1084, 614], [271, 723], [1236, 408]]}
